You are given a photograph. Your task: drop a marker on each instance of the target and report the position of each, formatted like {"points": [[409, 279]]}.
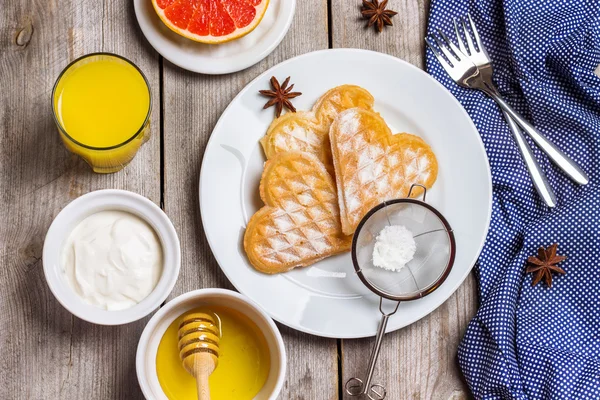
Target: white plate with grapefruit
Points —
{"points": [[214, 37]]}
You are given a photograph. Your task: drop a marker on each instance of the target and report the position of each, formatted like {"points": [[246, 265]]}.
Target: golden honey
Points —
{"points": [[244, 360]]}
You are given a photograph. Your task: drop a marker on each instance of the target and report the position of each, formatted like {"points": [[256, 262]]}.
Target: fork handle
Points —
{"points": [[540, 182], [561, 160]]}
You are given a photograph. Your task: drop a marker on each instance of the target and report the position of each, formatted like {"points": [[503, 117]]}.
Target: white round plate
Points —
{"points": [[221, 58], [328, 299]]}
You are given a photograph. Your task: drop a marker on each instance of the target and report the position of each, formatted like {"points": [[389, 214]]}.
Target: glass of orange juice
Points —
{"points": [[101, 104]]}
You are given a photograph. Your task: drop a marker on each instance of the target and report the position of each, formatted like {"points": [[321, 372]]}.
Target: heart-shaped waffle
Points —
{"points": [[300, 222], [309, 131], [373, 165]]}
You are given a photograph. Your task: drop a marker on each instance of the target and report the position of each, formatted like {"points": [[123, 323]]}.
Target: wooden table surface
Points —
{"points": [[45, 352]]}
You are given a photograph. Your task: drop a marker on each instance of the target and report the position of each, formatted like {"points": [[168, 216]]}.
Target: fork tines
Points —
{"points": [[447, 48], [468, 40], [465, 41]]}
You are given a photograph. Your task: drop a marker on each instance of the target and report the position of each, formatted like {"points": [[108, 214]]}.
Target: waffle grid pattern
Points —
{"points": [[372, 165], [300, 222]]}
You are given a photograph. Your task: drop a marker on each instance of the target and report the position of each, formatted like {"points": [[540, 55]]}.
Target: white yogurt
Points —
{"points": [[112, 259]]}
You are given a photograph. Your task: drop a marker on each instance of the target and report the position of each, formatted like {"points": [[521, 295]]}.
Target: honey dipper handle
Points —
{"points": [[202, 385]]}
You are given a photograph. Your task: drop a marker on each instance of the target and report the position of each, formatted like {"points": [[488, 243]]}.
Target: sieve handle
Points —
{"points": [[375, 352], [374, 392], [418, 185]]}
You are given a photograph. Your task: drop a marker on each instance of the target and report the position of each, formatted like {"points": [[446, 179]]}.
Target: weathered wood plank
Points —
{"points": [[46, 353], [404, 39], [192, 106], [418, 362]]}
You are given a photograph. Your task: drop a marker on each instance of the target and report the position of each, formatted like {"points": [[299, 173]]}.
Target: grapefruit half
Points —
{"points": [[211, 21]]}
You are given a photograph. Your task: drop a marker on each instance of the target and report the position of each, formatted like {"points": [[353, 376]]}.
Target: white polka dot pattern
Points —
{"points": [[534, 342]]}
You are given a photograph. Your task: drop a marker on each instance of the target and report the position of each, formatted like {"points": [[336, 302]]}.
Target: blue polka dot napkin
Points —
{"points": [[535, 342]]}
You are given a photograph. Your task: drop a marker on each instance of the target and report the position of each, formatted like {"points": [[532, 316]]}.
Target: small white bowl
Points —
{"points": [[154, 331], [83, 207]]}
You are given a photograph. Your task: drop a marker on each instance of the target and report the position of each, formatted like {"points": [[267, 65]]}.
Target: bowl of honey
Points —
{"points": [[251, 360]]}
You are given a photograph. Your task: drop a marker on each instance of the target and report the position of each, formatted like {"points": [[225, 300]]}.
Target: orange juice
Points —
{"points": [[101, 104]]}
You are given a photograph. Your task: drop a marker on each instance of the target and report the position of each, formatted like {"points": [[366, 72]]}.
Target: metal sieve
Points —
{"points": [[425, 273]]}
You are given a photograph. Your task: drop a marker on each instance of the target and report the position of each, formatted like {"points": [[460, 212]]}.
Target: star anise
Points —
{"points": [[281, 96], [377, 14], [544, 264]]}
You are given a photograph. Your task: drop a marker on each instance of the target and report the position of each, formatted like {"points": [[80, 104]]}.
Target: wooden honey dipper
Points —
{"points": [[199, 348]]}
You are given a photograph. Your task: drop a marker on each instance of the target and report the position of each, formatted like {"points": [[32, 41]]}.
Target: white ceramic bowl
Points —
{"points": [[154, 331], [89, 204]]}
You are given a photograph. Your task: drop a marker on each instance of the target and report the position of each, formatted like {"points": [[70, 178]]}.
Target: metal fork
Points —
{"points": [[480, 58], [466, 74]]}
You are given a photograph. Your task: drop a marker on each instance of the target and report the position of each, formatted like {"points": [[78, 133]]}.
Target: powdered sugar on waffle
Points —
{"points": [[300, 221], [296, 137], [372, 165]]}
